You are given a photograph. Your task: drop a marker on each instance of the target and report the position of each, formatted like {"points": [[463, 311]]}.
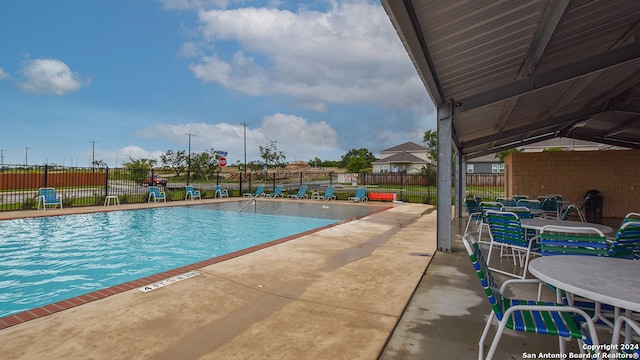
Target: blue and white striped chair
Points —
{"points": [[626, 243], [527, 315]]}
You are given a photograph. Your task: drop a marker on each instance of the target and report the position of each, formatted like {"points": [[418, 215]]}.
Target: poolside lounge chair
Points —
{"points": [[328, 194], [219, 191], [302, 193], [361, 195], [190, 192], [47, 197], [258, 192], [526, 315], [276, 193], [156, 194]]}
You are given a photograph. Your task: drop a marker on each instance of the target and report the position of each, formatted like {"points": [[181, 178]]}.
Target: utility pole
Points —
{"points": [[189, 157], [2, 156], [26, 155], [93, 153], [244, 124]]}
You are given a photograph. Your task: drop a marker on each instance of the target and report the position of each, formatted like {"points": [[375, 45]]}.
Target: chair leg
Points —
{"points": [[484, 335], [496, 339]]}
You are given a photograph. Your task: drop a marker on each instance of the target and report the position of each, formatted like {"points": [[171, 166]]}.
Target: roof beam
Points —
{"points": [[537, 82], [551, 19], [510, 145], [553, 122]]}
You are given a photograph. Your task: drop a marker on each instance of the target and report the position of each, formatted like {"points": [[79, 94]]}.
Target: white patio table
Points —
{"points": [[538, 223], [607, 280]]}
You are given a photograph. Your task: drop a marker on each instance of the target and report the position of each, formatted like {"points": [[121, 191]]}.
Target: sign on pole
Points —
{"points": [[222, 162]]}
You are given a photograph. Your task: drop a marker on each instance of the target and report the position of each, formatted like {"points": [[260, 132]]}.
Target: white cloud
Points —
{"points": [[348, 55], [294, 136], [3, 74], [50, 76]]}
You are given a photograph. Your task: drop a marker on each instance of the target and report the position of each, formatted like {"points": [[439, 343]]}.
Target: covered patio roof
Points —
{"points": [[504, 74]]}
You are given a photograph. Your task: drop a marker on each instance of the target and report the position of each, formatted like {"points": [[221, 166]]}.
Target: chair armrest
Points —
{"points": [[522, 281]]}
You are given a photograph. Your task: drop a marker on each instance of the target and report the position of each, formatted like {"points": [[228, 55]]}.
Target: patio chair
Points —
{"points": [[258, 192], [550, 206], [484, 207], [302, 193], [531, 204], [361, 195], [529, 316], [586, 241], [563, 240], [519, 197], [276, 193], [475, 214], [506, 232], [156, 194], [522, 212], [626, 243], [190, 192], [632, 345], [566, 213], [219, 191], [47, 197], [506, 201]]}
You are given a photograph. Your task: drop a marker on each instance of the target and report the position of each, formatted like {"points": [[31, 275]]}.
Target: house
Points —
{"points": [[490, 164], [486, 164], [408, 158]]}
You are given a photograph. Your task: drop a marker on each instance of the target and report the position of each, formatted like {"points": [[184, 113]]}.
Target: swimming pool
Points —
{"points": [[48, 259]]}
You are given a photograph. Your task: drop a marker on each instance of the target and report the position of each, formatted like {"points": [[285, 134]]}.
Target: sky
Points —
{"points": [[115, 80]]}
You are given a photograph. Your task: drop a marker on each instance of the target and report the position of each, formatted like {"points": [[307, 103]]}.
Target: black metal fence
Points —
{"points": [[19, 184]]}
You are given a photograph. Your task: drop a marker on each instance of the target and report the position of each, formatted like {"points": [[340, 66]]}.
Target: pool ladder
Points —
{"points": [[253, 200]]}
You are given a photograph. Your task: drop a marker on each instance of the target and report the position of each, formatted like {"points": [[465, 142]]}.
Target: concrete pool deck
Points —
{"points": [[333, 294]]}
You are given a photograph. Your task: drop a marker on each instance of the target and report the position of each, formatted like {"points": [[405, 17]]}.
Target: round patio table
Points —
{"points": [[607, 280], [538, 223]]}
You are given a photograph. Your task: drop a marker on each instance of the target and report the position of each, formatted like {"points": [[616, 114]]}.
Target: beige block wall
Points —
{"points": [[615, 173]]}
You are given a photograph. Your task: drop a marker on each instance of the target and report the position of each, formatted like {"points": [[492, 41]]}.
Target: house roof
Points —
{"points": [[511, 73], [401, 157], [408, 146]]}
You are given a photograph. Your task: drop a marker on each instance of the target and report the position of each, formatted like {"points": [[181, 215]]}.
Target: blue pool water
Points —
{"points": [[45, 260]]}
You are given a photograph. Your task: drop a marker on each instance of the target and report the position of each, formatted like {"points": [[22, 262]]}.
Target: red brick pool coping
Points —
{"points": [[62, 305]]}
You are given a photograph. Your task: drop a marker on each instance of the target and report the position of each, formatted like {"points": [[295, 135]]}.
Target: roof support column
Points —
{"points": [[460, 183], [443, 217]]}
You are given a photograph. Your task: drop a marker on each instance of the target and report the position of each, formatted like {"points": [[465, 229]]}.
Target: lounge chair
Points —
{"points": [[302, 193], [258, 192], [361, 195], [190, 192], [276, 193], [156, 194], [328, 194], [48, 197], [219, 191]]}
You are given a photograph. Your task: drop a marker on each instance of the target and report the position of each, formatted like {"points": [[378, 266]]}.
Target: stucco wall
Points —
{"points": [[615, 173]]}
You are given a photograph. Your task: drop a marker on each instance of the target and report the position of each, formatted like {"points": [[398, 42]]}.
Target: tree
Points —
{"points": [[431, 142], [315, 162], [99, 163], [139, 168], [357, 160], [503, 154], [270, 154], [175, 160], [204, 164]]}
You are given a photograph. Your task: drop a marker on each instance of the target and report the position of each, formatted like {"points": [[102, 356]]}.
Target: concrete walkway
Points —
{"points": [[333, 294]]}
